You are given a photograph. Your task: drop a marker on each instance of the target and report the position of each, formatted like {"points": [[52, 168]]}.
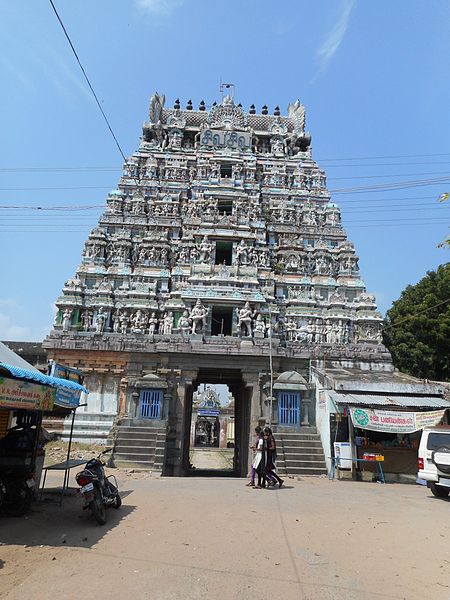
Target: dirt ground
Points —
{"points": [[203, 538]]}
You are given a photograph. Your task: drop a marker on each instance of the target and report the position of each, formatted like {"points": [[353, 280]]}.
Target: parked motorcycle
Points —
{"points": [[98, 491]]}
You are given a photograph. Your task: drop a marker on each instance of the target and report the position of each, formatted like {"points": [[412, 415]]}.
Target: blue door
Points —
{"points": [[288, 408], [150, 404]]}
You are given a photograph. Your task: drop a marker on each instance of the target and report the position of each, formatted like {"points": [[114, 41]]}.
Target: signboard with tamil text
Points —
{"points": [[391, 421], [66, 397], [17, 394]]}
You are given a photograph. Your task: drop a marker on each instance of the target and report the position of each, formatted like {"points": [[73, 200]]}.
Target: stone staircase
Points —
{"points": [[139, 446], [300, 452], [88, 428]]}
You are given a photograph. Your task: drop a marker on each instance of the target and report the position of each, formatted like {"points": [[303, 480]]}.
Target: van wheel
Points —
{"points": [[439, 491]]}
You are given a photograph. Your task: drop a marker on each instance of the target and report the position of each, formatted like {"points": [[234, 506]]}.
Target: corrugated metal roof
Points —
{"points": [[391, 400], [39, 377], [9, 357]]}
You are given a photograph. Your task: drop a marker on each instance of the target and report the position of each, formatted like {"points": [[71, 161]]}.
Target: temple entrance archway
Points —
{"points": [[217, 423]]}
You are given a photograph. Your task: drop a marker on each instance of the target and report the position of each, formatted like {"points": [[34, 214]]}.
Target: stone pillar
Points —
{"points": [[181, 423], [123, 385], [304, 407], [252, 386]]}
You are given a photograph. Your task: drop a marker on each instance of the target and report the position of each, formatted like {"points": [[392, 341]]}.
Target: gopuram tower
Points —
{"points": [[219, 255]]}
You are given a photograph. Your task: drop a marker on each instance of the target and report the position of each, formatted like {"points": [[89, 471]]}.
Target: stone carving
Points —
{"points": [[124, 322], [198, 316], [184, 323], [153, 324], [245, 317], [242, 253], [66, 319], [167, 324], [86, 320], [156, 107], [100, 321]]}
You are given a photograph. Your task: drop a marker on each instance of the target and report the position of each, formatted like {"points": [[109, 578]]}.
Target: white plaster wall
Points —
{"points": [[110, 397], [323, 419]]}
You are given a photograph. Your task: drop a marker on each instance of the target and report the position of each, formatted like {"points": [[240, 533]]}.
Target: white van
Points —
{"points": [[434, 459]]}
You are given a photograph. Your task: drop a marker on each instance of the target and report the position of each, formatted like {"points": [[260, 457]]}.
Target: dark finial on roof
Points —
{"points": [[202, 105], [239, 105], [264, 110], [214, 104], [252, 110], [276, 112], [177, 103], [189, 105]]}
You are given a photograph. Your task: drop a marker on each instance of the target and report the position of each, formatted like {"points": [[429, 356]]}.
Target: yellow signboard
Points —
{"points": [[25, 395]]}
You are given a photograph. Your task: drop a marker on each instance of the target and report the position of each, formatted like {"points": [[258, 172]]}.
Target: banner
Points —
{"points": [[25, 395], [66, 397], [394, 421]]}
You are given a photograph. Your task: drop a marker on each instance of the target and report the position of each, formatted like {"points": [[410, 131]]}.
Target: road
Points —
{"points": [[203, 538]]}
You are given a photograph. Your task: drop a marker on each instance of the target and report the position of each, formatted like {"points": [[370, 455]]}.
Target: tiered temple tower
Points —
{"points": [[219, 247]]}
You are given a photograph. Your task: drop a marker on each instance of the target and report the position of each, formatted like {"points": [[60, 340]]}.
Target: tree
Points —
{"points": [[417, 327]]}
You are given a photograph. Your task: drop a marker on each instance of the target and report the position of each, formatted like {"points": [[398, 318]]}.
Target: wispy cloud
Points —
{"points": [[159, 7], [334, 39]]}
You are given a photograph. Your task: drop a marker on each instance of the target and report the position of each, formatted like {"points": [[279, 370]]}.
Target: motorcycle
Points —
{"points": [[98, 491]]}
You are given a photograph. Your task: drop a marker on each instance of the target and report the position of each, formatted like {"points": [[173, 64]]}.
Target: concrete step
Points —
{"points": [[304, 456], [140, 442], [141, 430], [290, 464], [294, 446], [303, 471], [130, 464], [132, 450]]}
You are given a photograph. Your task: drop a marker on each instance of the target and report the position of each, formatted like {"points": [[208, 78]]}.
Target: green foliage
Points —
{"points": [[417, 335]]}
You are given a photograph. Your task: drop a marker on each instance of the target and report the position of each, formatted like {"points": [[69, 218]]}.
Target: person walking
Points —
{"points": [[270, 451], [258, 432]]}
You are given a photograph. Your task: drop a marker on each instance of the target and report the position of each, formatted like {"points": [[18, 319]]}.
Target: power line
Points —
{"points": [[391, 175], [386, 157], [392, 186], [76, 187], [89, 84], [420, 312]]}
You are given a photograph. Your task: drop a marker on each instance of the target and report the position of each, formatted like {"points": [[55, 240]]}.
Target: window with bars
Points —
{"points": [[150, 404], [289, 408]]}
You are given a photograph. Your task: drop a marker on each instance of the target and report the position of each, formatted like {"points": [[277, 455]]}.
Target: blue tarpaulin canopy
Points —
{"points": [[67, 392]]}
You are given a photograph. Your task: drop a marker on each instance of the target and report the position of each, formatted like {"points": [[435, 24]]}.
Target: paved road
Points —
{"points": [[199, 538]]}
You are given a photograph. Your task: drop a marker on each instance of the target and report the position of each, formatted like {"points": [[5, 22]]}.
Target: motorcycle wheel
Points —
{"points": [[17, 501], [117, 502], [98, 508]]}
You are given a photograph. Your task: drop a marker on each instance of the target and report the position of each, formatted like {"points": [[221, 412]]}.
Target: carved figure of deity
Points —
{"points": [[124, 321], [116, 321], [290, 328], [245, 316], [86, 320], [167, 323], [66, 319], [184, 323], [100, 321], [152, 324], [242, 253], [259, 325], [198, 316], [205, 250], [138, 320]]}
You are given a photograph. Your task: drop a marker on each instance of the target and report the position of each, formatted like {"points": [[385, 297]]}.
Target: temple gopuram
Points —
{"points": [[219, 259]]}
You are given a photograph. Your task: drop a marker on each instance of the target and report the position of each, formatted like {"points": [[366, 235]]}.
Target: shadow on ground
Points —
{"points": [[52, 524]]}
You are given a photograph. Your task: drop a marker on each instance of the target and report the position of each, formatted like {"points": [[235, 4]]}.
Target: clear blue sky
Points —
{"points": [[374, 77]]}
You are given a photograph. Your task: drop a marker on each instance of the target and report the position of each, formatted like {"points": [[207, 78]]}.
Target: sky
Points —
{"points": [[373, 76]]}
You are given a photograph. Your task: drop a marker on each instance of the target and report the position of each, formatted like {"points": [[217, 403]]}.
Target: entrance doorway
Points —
{"points": [[222, 320], [217, 425]]}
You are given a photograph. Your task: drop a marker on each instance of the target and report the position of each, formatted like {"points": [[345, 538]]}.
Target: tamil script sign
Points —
{"points": [[28, 396], [394, 421], [237, 140], [66, 397]]}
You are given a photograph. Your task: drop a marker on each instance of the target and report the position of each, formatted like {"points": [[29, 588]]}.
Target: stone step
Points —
{"points": [[147, 450], [303, 471], [139, 428], [303, 456], [294, 444], [133, 464], [299, 437], [140, 442], [304, 463]]}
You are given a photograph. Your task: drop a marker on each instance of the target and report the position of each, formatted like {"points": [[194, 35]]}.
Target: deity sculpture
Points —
{"points": [[100, 321], [86, 320], [124, 321], [198, 316], [116, 321], [259, 325], [205, 250], [152, 324], [66, 319], [242, 253], [245, 316], [167, 323], [184, 323]]}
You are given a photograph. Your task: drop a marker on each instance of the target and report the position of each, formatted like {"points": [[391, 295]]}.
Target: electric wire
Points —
{"points": [[90, 86], [419, 312]]}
